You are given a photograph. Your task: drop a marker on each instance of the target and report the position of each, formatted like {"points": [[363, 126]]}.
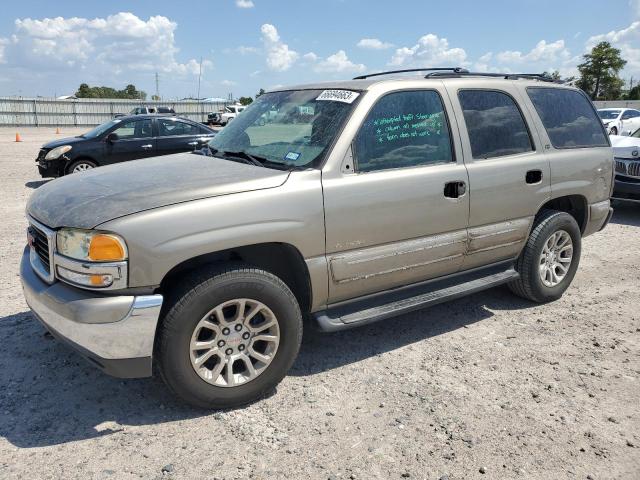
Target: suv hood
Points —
{"points": [[87, 199]]}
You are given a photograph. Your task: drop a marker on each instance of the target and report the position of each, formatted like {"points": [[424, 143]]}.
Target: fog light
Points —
{"points": [[93, 280]]}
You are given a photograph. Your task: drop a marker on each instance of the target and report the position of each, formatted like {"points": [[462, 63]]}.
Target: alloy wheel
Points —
{"points": [[555, 259], [234, 342]]}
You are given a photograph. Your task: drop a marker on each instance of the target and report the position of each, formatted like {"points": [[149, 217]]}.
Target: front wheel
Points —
{"points": [[549, 260], [228, 337], [81, 166], [614, 131]]}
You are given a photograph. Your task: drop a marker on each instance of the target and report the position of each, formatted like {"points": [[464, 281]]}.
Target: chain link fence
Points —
{"points": [[21, 111]]}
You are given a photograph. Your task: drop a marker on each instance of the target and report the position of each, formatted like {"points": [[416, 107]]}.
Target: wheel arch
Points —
{"points": [[80, 157], [281, 259], [575, 205]]}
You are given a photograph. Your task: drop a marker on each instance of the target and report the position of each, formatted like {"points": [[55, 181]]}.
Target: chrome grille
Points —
{"points": [[41, 247], [41, 243], [630, 168]]}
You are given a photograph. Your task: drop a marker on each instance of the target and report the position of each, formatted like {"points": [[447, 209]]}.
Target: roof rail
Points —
{"points": [[507, 76], [453, 70]]}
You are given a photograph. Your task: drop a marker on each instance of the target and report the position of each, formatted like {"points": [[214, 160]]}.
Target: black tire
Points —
{"points": [[614, 131], [197, 294], [530, 285], [82, 161]]}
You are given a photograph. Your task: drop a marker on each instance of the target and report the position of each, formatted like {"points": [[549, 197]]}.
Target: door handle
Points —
{"points": [[146, 146], [455, 189], [192, 144], [533, 176]]}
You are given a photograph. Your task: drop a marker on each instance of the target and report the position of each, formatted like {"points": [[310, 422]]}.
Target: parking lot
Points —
{"points": [[490, 386]]}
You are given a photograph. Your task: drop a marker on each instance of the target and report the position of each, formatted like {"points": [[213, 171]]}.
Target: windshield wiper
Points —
{"points": [[251, 159]]}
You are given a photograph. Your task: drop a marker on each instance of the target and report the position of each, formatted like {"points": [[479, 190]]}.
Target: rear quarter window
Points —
{"points": [[568, 117]]}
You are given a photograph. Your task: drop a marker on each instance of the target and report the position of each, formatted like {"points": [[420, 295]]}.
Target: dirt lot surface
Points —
{"points": [[489, 386]]}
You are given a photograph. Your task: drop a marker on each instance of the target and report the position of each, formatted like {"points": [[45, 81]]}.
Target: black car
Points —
{"points": [[125, 138]]}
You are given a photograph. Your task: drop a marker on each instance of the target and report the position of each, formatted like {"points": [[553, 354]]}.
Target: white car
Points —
{"points": [[230, 112], [620, 121], [626, 151]]}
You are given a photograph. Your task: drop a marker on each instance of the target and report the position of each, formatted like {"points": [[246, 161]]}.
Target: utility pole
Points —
{"points": [[157, 87], [199, 77]]}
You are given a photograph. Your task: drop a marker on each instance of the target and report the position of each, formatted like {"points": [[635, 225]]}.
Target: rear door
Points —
{"points": [[175, 136], [508, 171], [135, 141]]}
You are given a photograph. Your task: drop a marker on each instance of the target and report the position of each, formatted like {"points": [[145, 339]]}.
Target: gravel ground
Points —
{"points": [[489, 386]]}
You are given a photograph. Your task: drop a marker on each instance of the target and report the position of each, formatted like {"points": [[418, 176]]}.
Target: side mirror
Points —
{"points": [[112, 137]]}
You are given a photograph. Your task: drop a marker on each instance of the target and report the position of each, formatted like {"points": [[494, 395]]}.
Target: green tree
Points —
{"points": [[129, 92], [245, 100], [634, 93], [599, 72], [261, 92]]}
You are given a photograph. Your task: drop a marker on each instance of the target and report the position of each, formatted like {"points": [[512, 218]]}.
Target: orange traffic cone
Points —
{"points": [[57, 131], [18, 137]]}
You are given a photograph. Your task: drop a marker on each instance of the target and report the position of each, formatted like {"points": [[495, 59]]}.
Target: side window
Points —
{"points": [[631, 114], [404, 129], [568, 117], [134, 129], [168, 127], [495, 124]]}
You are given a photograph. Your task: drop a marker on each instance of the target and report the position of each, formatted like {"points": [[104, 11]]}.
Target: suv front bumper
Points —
{"points": [[115, 333]]}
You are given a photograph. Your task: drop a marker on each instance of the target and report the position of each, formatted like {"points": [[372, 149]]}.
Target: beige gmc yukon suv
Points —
{"points": [[358, 201]]}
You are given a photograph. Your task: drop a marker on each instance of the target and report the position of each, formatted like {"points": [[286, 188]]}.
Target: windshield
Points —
{"points": [[229, 110], [100, 129], [608, 114], [291, 128]]}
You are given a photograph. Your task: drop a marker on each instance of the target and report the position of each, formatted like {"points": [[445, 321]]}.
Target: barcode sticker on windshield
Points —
{"points": [[345, 96]]}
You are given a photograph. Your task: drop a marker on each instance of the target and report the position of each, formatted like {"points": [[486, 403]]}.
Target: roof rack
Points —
{"points": [[507, 76], [453, 70]]}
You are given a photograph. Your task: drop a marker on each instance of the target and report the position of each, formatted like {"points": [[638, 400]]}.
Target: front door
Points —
{"points": [[399, 214], [508, 170], [134, 141]]}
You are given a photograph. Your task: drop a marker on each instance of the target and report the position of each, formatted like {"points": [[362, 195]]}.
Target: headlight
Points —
{"points": [[57, 152], [91, 245]]}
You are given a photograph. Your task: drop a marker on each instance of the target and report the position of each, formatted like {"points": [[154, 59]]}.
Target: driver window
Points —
{"points": [[404, 129]]}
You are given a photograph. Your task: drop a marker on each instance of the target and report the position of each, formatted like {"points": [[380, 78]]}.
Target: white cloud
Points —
{"points": [[113, 44], [542, 52], [3, 43], [430, 51], [244, 4], [310, 57], [228, 83], [279, 56], [338, 63], [374, 44], [627, 40]]}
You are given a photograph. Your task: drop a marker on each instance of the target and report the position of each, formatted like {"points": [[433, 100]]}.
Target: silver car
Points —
{"points": [[359, 200]]}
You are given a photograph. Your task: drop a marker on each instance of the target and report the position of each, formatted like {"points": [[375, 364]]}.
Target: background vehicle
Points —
{"points": [[360, 201], [626, 151], [620, 121], [230, 112], [147, 111], [125, 138]]}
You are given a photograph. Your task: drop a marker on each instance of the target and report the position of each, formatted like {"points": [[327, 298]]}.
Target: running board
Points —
{"points": [[374, 308]]}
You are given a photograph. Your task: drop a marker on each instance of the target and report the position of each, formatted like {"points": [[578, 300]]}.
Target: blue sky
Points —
{"points": [[47, 48]]}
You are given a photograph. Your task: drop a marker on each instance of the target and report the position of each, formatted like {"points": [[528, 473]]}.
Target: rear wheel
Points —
{"points": [[81, 166], [550, 258], [614, 131], [228, 337]]}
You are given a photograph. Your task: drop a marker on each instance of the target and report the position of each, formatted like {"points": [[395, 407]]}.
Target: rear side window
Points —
{"points": [[404, 129], [568, 117], [495, 124]]}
